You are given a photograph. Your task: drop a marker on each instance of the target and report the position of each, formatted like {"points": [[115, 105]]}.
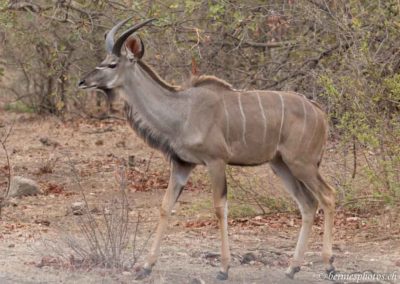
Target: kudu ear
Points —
{"points": [[134, 47]]}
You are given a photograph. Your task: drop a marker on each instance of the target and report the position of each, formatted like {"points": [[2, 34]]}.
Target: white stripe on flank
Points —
{"points": [[305, 120], [263, 117], [282, 117], [315, 126], [226, 117], [243, 119]]}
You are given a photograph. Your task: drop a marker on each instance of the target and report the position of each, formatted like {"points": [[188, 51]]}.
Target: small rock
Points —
{"points": [[95, 210], [20, 186], [397, 263], [197, 281], [78, 208], [11, 245], [42, 222], [121, 144], [48, 142], [248, 258], [99, 142], [131, 161], [352, 219]]}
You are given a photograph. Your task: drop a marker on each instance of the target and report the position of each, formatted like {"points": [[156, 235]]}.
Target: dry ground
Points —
{"points": [[46, 150]]}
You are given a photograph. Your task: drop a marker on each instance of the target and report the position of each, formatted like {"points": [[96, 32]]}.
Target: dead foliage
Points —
{"points": [[139, 180], [52, 188]]}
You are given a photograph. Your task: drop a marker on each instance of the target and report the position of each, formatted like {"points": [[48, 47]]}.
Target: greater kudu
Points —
{"points": [[210, 123]]}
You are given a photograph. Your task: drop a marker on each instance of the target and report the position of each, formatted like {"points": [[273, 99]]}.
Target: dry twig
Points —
{"points": [[3, 142]]}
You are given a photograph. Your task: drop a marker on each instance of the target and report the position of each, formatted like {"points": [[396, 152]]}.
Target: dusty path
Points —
{"points": [[44, 149], [184, 259]]}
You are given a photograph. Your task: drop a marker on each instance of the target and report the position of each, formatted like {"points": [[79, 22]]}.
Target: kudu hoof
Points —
{"points": [[331, 271], [143, 273], [331, 260], [222, 275], [291, 271]]}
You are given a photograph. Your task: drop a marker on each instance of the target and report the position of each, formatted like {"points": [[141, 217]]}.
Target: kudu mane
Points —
{"points": [[205, 80], [154, 75], [193, 82], [198, 81]]}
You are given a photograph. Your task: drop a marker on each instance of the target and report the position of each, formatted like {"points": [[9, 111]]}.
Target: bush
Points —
{"points": [[342, 53]]}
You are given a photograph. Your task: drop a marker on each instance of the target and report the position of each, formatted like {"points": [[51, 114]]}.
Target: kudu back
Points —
{"points": [[210, 123]]}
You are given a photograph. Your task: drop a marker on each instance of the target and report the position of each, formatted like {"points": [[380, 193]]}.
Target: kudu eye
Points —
{"points": [[112, 65]]}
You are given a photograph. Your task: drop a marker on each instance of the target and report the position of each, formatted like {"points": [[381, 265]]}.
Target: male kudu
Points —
{"points": [[210, 123]]}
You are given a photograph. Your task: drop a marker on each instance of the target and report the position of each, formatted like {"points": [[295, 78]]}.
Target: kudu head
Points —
{"points": [[110, 73]]}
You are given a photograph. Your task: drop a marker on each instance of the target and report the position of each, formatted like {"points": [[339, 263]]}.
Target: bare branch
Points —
{"points": [[3, 142]]}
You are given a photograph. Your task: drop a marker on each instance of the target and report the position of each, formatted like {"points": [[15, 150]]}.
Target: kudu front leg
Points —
{"points": [[218, 182], [178, 178]]}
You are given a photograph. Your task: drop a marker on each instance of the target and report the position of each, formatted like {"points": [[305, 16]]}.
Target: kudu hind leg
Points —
{"points": [[216, 171], [327, 201], [326, 198], [325, 195], [308, 206], [178, 178]]}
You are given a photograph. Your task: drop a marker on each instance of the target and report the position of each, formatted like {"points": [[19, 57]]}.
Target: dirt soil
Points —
{"points": [[57, 153]]}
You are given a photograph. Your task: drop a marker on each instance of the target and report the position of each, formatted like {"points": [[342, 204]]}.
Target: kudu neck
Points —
{"points": [[159, 105]]}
